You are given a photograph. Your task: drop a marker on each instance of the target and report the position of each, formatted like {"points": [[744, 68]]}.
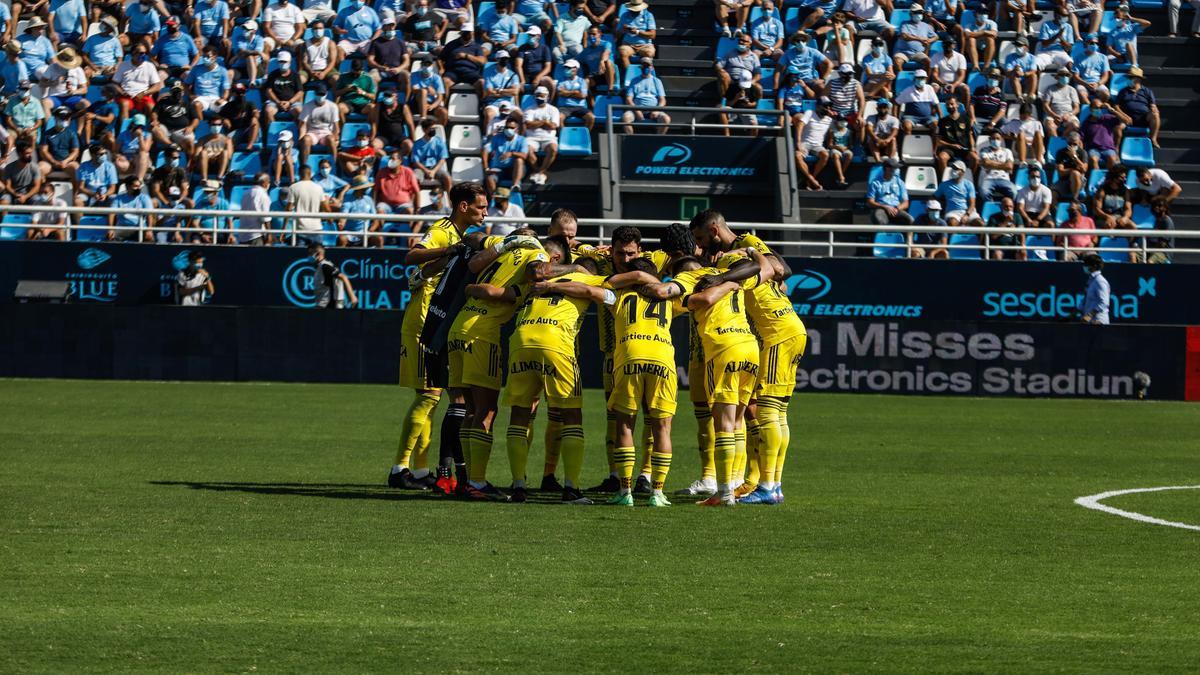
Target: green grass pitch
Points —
{"points": [[211, 527]]}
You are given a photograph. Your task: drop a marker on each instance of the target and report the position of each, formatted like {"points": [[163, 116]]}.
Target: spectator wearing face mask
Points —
{"points": [[811, 66], [1097, 293], [846, 95], [193, 284], [284, 91], [335, 188], [950, 71], [878, 71], [741, 61], [1060, 105], [103, 51], [211, 23], [979, 37], [1102, 132], [331, 287], [283, 26], [841, 149], [594, 58], [1092, 72], [139, 82], [996, 165], [171, 228], [1161, 245], [425, 27], [503, 215], [392, 122], [1021, 69], [915, 37], [283, 158], [501, 30], [1078, 245], [429, 156], [320, 57], [572, 96], [928, 244], [882, 131], [1138, 102], [358, 156], [887, 197], [952, 138], [504, 157], [1034, 201], [176, 51], [1056, 37], [209, 83], [256, 199], [957, 195], [248, 52], [396, 187], [569, 31], [356, 91], [1122, 39], [534, 62], [320, 123], [96, 179], [214, 229], [23, 115], [428, 98], [767, 34], [920, 103], [388, 55], [131, 226], [351, 231], [64, 83], [811, 140], [133, 148], [1153, 183], [500, 85], [355, 27], [1025, 133], [172, 120], [1007, 216], [60, 148], [1072, 164], [214, 151], [48, 224], [172, 174], [542, 122], [241, 118], [644, 92], [987, 102], [635, 31]]}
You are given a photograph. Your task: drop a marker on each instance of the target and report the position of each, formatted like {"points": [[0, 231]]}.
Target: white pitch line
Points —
{"points": [[1093, 502]]}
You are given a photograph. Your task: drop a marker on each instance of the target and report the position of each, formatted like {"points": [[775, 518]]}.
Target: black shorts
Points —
{"points": [[437, 369]]}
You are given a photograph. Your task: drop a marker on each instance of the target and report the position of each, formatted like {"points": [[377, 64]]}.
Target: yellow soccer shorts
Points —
{"points": [[474, 363], [608, 373], [532, 371], [649, 387], [697, 382], [732, 373], [413, 373], [777, 367]]}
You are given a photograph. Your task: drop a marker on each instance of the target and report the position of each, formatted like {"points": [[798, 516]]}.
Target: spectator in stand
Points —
{"points": [[1081, 244], [952, 138], [60, 149], [1111, 207], [1072, 165], [241, 118], [319, 10], [928, 244], [888, 198], [980, 38], [283, 26], [1160, 246], [569, 31], [745, 99], [211, 227], [987, 103], [23, 117], [1020, 67], [359, 156], [767, 34], [1007, 216], [429, 156], [635, 30], [996, 165], [839, 44], [392, 122], [846, 96], [502, 84], [912, 44], [139, 82], [209, 83], [814, 14], [503, 215], [320, 58], [505, 112], [36, 49], [436, 206], [601, 12], [811, 64], [214, 152], [646, 91], [740, 60], [358, 201], [388, 55], [175, 52], [320, 123], [102, 51], [869, 15], [49, 224], [958, 195], [1014, 13], [950, 72], [462, 62], [248, 54], [193, 284], [501, 31], [172, 120], [571, 96], [1173, 21], [457, 13], [790, 95], [1155, 183], [428, 97], [356, 25], [1056, 37], [596, 60], [531, 13], [133, 148], [534, 61], [171, 228], [1026, 134], [1034, 201], [172, 174], [882, 131], [1060, 105], [283, 158], [255, 199], [424, 28], [504, 157], [63, 82], [920, 103], [811, 141], [22, 178], [878, 72], [1122, 39], [943, 15], [284, 91], [542, 122], [396, 187], [727, 12], [356, 91], [1086, 15], [306, 196], [335, 188], [1102, 131], [142, 24], [131, 226], [211, 23], [841, 149], [1091, 72], [96, 179], [1137, 102]]}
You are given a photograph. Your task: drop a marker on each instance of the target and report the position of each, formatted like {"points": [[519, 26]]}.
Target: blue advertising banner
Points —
{"points": [[736, 159]]}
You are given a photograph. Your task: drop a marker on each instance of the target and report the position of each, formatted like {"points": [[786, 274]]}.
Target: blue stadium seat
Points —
{"points": [[975, 80], [1108, 255], [1040, 247], [249, 163], [989, 208], [600, 109], [89, 234], [1108, 22], [899, 17], [1143, 217], [574, 141], [767, 104], [1118, 82], [791, 20], [725, 47], [904, 80], [486, 14], [528, 101], [15, 225], [889, 245], [236, 193], [1137, 151], [1053, 145], [1147, 4], [350, 131], [768, 81], [1061, 214], [876, 172], [1095, 178], [314, 159], [965, 253]]}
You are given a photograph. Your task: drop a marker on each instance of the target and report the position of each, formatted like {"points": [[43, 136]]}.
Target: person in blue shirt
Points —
{"points": [[1092, 70], [1021, 69], [595, 58], [210, 227], [428, 93], [499, 84], [888, 198], [1097, 294], [1056, 37], [142, 225], [766, 34], [249, 52], [878, 72], [534, 61], [504, 157], [143, 24], [133, 147], [97, 122], [1122, 39], [211, 21], [943, 14], [68, 20], [979, 39], [811, 65], [208, 82], [958, 194], [60, 148], [635, 30], [176, 51], [102, 51], [912, 44], [572, 95], [429, 155], [13, 70], [533, 13], [645, 91], [502, 30], [335, 188], [355, 26], [36, 49], [358, 200]]}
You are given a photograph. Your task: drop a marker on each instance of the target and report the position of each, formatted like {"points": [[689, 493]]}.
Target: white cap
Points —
{"points": [[933, 205], [920, 73], [250, 25], [284, 57], [958, 165], [534, 30], [846, 68], [505, 105], [916, 7], [541, 91], [284, 135], [572, 63], [387, 16], [502, 54], [745, 80]]}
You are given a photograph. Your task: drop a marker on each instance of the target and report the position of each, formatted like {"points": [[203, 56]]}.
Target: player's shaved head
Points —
{"points": [[524, 232], [564, 222], [712, 234], [558, 245], [641, 264], [588, 264]]}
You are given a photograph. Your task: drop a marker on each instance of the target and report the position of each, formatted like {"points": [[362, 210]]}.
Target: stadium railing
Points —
{"points": [[824, 244]]}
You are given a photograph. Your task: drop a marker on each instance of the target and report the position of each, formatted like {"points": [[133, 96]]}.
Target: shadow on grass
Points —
{"points": [[334, 491]]}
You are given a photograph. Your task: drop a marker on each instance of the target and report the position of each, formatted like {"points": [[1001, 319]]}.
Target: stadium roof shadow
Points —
{"points": [[333, 491]]}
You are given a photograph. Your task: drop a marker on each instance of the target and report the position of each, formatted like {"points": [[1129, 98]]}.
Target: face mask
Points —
{"points": [[1064, 79], [389, 34], [1007, 213], [996, 143], [1091, 49], [393, 163], [877, 51], [427, 70], [1087, 272], [957, 174], [743, 48], [572, 72], [918, 17], [993, 83], [420, 11], [198, 265], [1035, 181], [535, 41], [285, 144], [217, 129], [509, 132], [362, 142], [173, 30], [101, 157], [920, 82], [649, 70], [541, 101], [593, 40], [323, 171], [841, 124], [389, 100]]}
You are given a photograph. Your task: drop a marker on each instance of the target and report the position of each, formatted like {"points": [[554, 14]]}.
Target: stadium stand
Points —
{"points": [[102, 92]]}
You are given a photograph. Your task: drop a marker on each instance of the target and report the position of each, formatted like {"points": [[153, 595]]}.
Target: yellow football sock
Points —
{"points": [[414, 425], [572, 453], [739, 458], [554, 429], [661, 464], [752, 441], [610, 443], [769, 439], [705, 437], [785, 440], [481, 452], [625, 459], [420, 456], [647, 449], [724, 448], [518, 452], [466, 439]]}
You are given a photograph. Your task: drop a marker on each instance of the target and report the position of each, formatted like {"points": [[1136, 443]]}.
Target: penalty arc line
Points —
{"points": [[1093, 502]]}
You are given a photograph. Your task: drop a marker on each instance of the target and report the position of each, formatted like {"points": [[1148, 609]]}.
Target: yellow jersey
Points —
{"points": [[481, 318], [439, 235], [643, 328], [604, 264], [723, 324], [770, 310], [552, 322]]}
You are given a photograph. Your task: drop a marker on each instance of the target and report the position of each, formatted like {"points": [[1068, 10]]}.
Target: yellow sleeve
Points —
{"points": [[687, 281], [437, 237], [660, 259], [491, 240], [677, 307], [727, 260], [752, 241]]}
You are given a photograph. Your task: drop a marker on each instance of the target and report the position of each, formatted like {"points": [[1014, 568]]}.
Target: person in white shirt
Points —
{"points": [[320, 119], [256, 199], [1034, 201], [950, 71], [502, 209], [1026, 131], [996, 165], [283, 25], [306, 196], [193, 284], [319, 9], [868, 15], [62, 78], [920, 103], [542, 121], [138, 76], [814, 129], [1157, 183]]}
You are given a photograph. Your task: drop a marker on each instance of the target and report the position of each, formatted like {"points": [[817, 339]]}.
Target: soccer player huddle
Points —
{"points": [[745, 345]]}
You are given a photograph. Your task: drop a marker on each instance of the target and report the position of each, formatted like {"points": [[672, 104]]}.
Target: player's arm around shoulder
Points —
{"points": [[702, 300], [490, 292], [583, 290]]}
